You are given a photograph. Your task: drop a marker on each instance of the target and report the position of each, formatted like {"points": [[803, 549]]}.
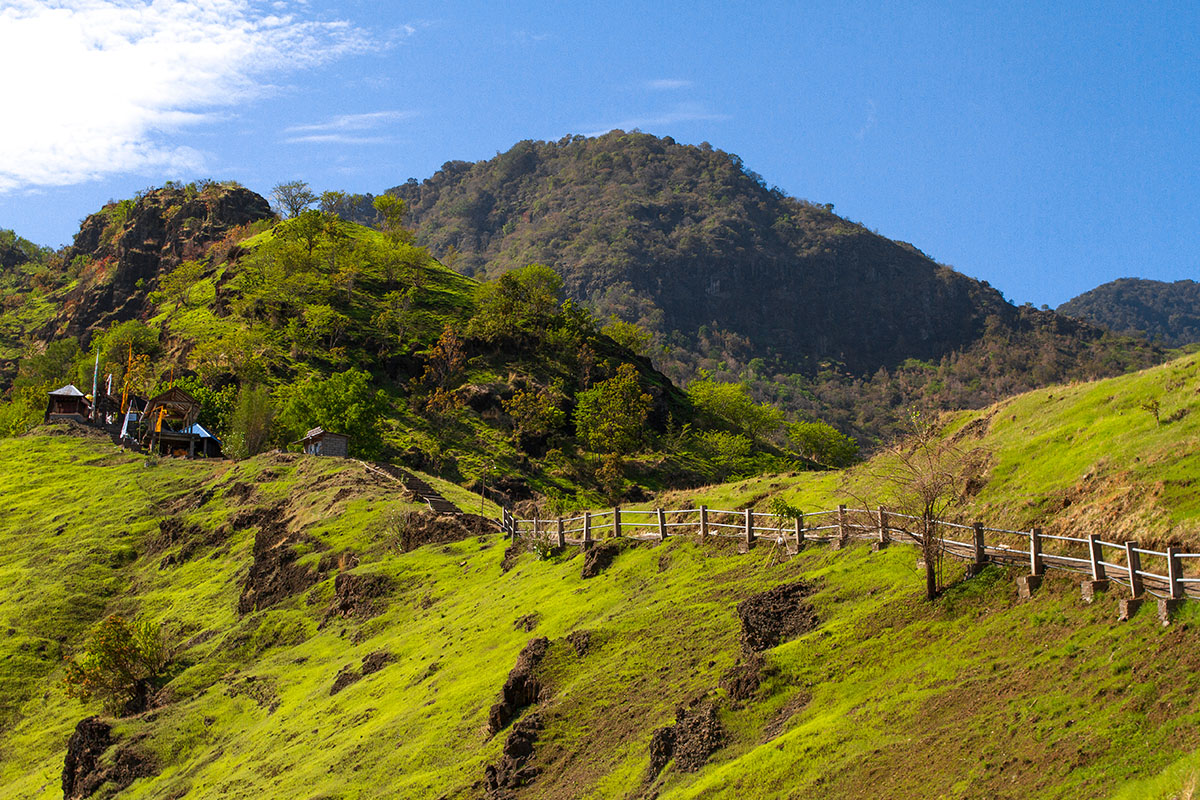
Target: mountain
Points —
{"points": [[738, 280], [1166, 312], [315, 654]]}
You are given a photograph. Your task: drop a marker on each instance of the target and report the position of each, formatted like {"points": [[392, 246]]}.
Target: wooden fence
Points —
{"points": [[1169, 575]]}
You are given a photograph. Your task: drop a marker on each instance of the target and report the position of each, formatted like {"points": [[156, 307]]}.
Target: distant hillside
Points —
{"points": [[1166, 312], [738, 280]]}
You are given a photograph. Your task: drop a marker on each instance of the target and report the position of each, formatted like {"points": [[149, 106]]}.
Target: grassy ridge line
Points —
{"points": [[1080, 458]]}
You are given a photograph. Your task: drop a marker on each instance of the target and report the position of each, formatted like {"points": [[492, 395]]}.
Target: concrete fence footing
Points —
{"points": [[1089, 589], [1027, 585]]}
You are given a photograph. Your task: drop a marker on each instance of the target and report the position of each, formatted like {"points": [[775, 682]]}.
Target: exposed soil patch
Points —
{"points": [[239, 491], [695, 736], [513, 770], [425, 527], [598, 558], [581, 641], [742, 681], [511, 554], [370, 664], [521, 688], [190, 539], [359, 596], [528, 622], [83, 771], [776, 616], [275, 574]]}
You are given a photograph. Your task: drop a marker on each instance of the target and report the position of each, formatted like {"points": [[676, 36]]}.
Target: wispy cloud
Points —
{"points": [[529, 37], [667, 84], [99, 87], [346, 128], [870, 122], [354, 122], [682, 112]]}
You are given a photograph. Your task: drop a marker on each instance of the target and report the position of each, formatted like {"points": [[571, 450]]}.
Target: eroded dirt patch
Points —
{"points": [[775, 616], [522, 687], [370, 664], [695, 736], [513, 770], [276, 573], [85, 769], [581, 640], [358, 596], [598, 558]]}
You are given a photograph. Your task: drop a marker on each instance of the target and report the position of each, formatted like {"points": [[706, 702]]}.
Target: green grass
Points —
{"points": [[977, 695]]}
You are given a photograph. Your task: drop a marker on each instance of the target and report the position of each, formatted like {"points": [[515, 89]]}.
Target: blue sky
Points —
{"points": [[1045, 151]]}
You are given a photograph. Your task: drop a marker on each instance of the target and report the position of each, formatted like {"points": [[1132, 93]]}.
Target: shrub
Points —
{"points": [[122, 662]]}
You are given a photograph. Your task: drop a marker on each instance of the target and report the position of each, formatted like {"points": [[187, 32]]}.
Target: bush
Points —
{"points": [[122, 662], [823, 443]]}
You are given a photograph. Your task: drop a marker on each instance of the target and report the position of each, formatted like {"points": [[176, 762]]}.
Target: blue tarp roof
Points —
{"points": [[198, 430]]}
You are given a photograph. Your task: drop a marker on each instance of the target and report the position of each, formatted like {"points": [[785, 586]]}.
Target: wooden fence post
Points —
{"points": [[561, 539], [1035, 552], [617, 522], [1028, 584], [703, 522], [979, 550], [843, 528], [1133, 563], [662, 526], [1095, 554], [587, 528], [1174, 572], [749, 530], [885, 533]]}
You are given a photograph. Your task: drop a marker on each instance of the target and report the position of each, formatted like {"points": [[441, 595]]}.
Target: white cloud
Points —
{"points": [[683, 112], [96, 87], [668, 84]]}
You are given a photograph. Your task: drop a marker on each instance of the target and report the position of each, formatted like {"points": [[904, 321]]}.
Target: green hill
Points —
{"points": [[283, 576], [1167, 312]]}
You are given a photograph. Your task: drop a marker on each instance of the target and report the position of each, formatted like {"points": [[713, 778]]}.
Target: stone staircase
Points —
{"points": [[431, 496]]}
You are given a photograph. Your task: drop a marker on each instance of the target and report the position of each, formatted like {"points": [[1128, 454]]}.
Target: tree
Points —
{"points": [[121, 663], [730, 404], [345, 402], [611, 416], [252, 422], [628, 334], [823, 443], [925, 476], [391, 211], [521, 301], [292, 197], [537, 411]]}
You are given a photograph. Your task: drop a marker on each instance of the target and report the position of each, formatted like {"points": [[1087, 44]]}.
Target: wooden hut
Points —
{"points": [[168, 420], [68, 403], [320, 442]]}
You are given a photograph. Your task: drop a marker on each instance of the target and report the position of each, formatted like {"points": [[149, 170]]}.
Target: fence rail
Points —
{"points": [[1174, 574]]}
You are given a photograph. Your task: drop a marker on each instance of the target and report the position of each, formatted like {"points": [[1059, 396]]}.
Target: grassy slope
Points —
{"points": [[978, 695], [1084, 457]]}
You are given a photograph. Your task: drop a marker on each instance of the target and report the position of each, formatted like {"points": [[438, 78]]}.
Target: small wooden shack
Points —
{"points": [[68, 403], [320, 442], [168, 419]]}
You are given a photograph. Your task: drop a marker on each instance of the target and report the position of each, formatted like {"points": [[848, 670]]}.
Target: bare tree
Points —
{"points": [[292, 197], [927, 475]]}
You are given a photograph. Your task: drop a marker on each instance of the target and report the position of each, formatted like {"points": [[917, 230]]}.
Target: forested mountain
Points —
{"points": [[1166, 312], [738, 280]]}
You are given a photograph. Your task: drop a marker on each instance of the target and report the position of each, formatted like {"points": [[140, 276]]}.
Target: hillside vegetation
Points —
{"points": [[865, 691], [1166, 312], [737, 280]]}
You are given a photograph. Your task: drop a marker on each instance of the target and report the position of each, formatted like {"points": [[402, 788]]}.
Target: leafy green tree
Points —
{"points": [[730, 404], [537, 411], [252, 423], [391, 211], [292, 197], [521, 301], [823, 443], [345, 402], [121, 663], [611, 416], [628, 334], [176, 286]]}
